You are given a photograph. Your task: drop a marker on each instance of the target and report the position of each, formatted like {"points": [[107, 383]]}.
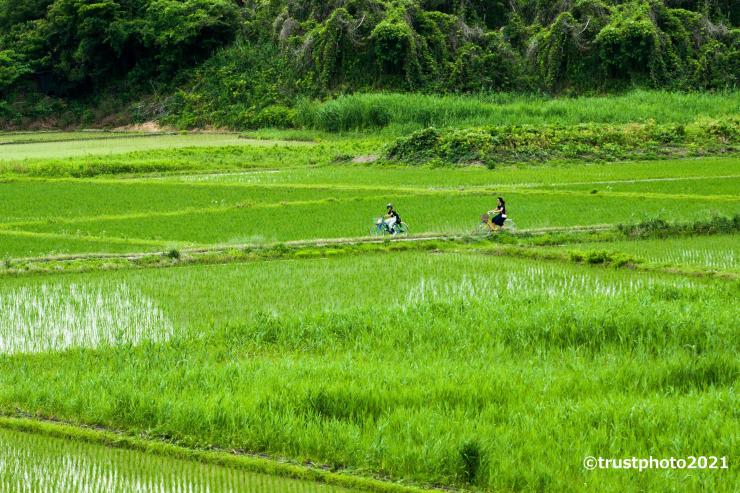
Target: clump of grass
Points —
{"points": [[173, 254], [603, 257], [345, 113], [471, 457]]}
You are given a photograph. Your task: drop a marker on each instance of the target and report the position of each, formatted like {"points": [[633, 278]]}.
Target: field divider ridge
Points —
{"points": [[86, 139], [95, 239], [304, 249], [255, 463], [319, 242]]}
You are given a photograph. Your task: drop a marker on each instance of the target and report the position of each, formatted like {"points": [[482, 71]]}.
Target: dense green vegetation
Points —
{"points": [[218, 296], [406, 112], [255, 63], [494, 145], [572, 362], [704, 252]]}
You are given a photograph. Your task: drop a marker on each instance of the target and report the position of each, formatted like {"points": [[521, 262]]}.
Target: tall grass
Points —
{"points": [[405, 112]]}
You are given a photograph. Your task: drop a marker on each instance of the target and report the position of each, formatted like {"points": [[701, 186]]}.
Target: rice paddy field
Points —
{"points": [[35, 463], [221, 295]]}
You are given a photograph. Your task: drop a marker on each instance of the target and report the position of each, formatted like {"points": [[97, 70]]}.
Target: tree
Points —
{"points": [[12, 68], [182, 33]]}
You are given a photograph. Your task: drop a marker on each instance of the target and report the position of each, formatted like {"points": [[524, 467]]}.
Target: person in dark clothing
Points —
{"points": [[391, 218], [498, 215]]}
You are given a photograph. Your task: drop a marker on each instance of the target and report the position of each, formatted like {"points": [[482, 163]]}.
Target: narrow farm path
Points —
{"points": [[216, 248]]}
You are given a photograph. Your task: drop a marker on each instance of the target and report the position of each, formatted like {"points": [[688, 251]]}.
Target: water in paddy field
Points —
{"points": [[31, 463], [56, 318]]}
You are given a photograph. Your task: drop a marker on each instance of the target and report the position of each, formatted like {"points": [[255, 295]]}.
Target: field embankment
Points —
{"points": [[48, 455]]}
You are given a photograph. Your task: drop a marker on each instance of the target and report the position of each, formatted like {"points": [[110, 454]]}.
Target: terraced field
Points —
{"points": [[292, 203], [229, 299]]}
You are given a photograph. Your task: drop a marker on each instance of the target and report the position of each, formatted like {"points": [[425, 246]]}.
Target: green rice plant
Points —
{"points": [[573, 175], [69, 199], [60, 136], [459, 369], [719, 252], [83, 147], [454, 364], [694, 186], [204, 152], [39, 463], [54, 319], [449, 213], [17, 244]]}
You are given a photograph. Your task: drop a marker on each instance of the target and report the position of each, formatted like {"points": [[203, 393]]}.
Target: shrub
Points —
{"points": [[417, 147], [466, 146], [597, 257], [173, 254], [629, 45], [508, 143], [11, 69], [728, 129], [238, 58], [275, 116], [393, 42]]}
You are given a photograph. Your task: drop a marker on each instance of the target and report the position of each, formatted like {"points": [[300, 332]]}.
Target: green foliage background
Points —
{"points": [[248, 63]]}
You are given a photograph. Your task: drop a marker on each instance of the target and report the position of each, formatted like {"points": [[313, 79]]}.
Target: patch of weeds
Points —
{"points": [[173, 254], [471, 457], [660, 228]]}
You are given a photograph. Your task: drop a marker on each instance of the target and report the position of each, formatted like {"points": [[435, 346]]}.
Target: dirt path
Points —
{"points": [[217, 248]]}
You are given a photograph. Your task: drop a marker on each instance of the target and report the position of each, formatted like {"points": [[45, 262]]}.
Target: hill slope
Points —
{"points": [[81, 61]]}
